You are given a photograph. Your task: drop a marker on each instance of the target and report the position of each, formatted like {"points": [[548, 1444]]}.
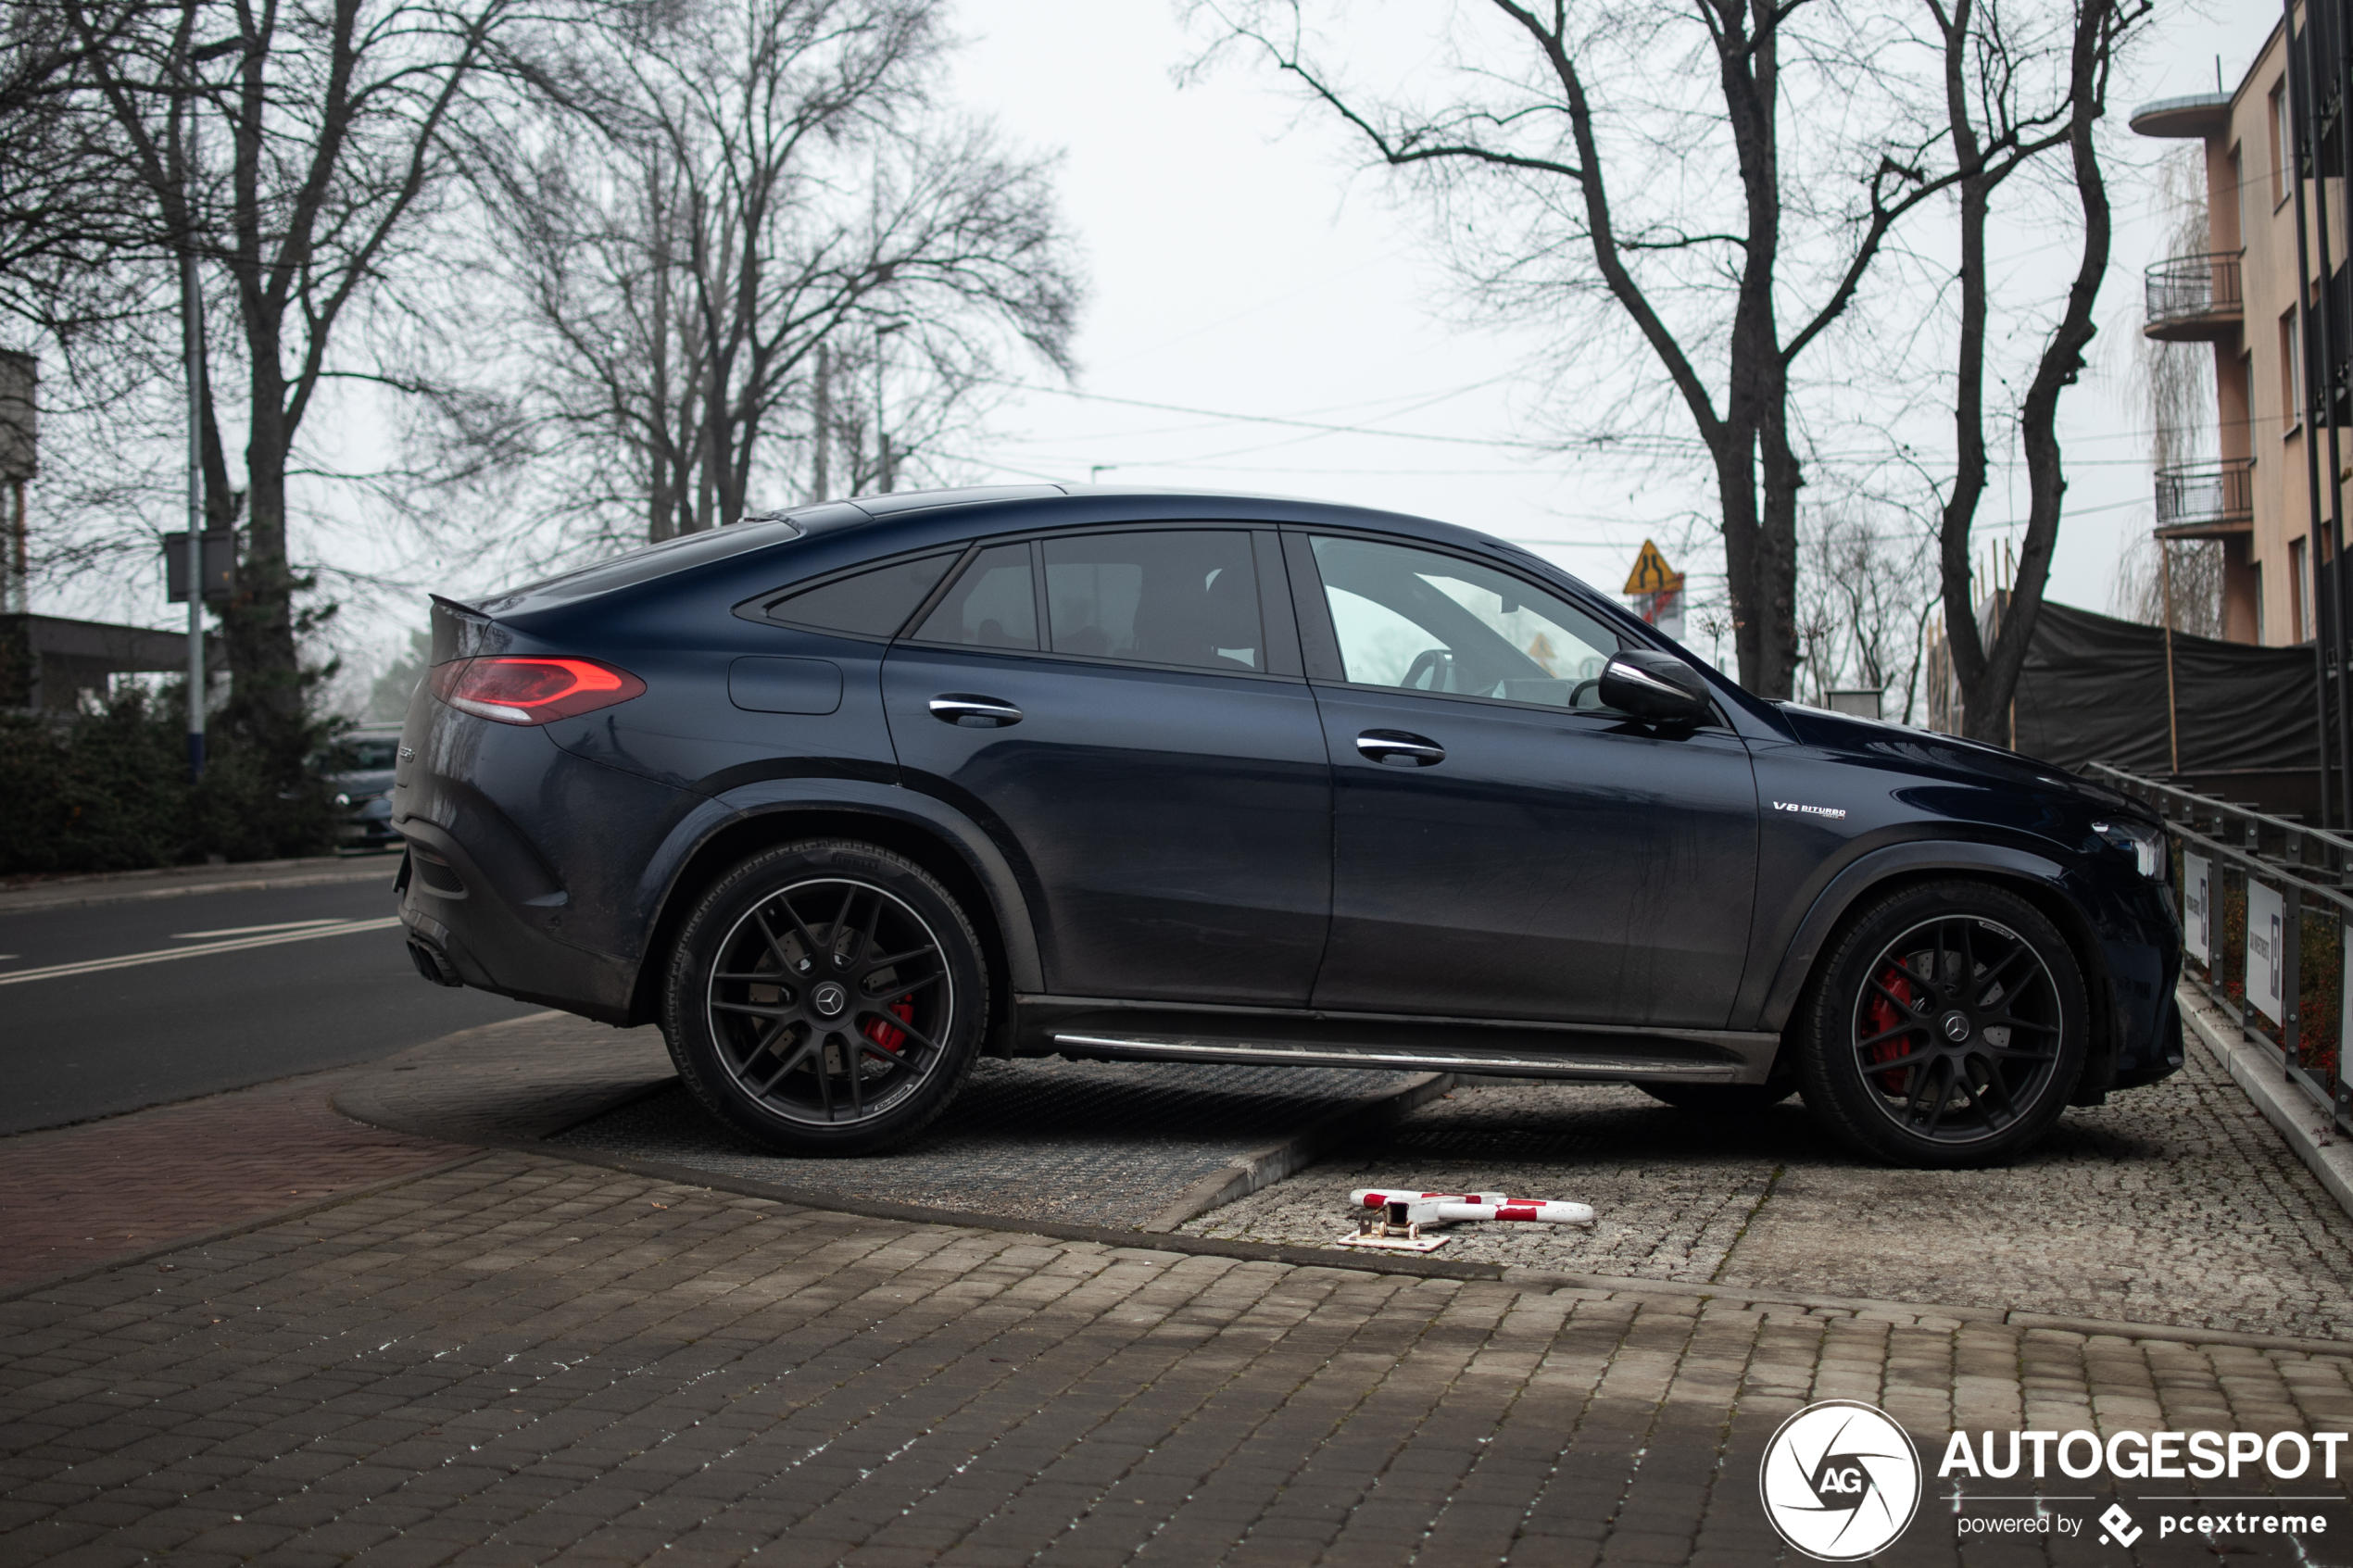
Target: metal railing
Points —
{"points": [[2207, 493], [2266, 927], [2191, 288]]}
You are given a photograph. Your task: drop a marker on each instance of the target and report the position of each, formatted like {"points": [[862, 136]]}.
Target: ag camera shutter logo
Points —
{"points": [[1841, 1480]]}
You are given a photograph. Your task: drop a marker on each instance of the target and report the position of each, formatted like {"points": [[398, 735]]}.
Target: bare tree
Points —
{"points": [[331, 129], [1726, 173], [1988, 92], [2177, 384], [1867, 582], [752, 181]]}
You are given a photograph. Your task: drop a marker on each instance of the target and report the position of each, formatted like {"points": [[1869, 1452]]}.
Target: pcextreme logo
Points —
{"points": [[1840, 1480]]}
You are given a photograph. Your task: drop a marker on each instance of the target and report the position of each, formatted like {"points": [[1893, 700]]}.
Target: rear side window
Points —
{"points": [[1186, 598], [872, 604], [993, 605]]}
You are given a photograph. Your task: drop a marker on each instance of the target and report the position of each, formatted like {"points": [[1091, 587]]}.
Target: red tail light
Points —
{"points": [[532, 691]]}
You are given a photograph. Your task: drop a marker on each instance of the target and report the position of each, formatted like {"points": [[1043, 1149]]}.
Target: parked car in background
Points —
{"points": [[358, 768], [848, 795]]}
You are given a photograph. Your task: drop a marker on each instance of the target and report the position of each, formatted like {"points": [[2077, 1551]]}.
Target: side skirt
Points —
{"points": [[1108, 1029]]}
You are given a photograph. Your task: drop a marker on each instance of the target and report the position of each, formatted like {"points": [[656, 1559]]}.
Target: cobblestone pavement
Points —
{"points": [[79, 1195], [1085, 1142], [523, 1359], [2173, 1204]]}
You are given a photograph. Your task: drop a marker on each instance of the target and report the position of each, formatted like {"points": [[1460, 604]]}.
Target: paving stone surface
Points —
{"points": [[72, 1196], [525, 1359], [1085, 1142], [2173, 1204]]}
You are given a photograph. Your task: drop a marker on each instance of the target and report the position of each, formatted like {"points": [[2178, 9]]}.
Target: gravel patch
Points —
{"points": [[2174, 1204]]}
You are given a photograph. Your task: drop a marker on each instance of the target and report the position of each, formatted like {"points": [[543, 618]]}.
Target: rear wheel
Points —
{"points": [[826, 998], [1948, 1028]]}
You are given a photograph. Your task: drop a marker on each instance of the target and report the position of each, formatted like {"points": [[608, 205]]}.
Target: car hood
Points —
{"points": [[1878, 742]]}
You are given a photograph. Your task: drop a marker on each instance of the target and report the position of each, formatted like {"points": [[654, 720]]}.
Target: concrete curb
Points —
{"points": [[2256, 1068], [1265, 1167]]}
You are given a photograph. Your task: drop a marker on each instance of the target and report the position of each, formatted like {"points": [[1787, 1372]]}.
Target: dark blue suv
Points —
{"points": [[847, 795]]}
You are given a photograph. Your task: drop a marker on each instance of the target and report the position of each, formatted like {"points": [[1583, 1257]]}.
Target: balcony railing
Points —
{"points": [[2208, 495], [2188, 293]]}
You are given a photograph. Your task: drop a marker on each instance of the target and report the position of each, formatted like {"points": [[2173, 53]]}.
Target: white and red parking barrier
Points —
{"points": [[1404, 1211]]}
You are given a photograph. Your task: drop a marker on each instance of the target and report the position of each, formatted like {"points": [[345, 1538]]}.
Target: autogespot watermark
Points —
{"points": [[1842, 1480]]}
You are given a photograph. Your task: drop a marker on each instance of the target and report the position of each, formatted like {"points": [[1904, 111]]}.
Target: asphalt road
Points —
{"points": [[258, 984]]}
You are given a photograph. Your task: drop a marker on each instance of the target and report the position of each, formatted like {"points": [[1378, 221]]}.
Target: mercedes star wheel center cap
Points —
{"points": [[1955, 1024], [829, 999]]}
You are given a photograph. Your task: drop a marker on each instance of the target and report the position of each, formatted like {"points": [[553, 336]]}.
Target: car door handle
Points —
{"points": [[1399, 749], [973, 712]]}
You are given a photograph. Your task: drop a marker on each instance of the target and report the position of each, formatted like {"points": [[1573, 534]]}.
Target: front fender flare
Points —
{"points": [[1868, 871]]}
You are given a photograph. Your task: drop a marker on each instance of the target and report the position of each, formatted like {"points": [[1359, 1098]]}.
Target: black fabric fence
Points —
{"points": [[2093, 689]]}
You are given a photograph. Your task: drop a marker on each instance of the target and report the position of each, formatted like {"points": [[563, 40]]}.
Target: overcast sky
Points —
{"points": [[1248, 270], [1251, 279]]}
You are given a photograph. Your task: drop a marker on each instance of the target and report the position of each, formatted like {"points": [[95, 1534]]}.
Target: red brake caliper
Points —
{"points": [[883, 1033], [1881, 1016]]}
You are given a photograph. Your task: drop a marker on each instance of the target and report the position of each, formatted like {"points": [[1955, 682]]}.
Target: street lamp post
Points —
{"points": [[184, 64]]}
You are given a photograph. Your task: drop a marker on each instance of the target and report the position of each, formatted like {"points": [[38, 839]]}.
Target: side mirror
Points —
{"points": [[1657, 687]]}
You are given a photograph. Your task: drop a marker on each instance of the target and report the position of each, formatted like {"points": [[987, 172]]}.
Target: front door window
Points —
{"points": [[1423, 622]]}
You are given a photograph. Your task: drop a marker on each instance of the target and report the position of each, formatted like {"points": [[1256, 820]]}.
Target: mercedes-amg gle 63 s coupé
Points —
{"points": [[848, 795]]}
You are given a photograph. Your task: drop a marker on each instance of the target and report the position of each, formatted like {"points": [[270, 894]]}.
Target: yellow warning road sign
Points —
{"points": [[1651, 574]]}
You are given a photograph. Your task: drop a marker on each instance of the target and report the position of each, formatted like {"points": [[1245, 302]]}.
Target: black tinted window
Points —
{"points": [[1157, 599], [873, 604], [993, 605]]}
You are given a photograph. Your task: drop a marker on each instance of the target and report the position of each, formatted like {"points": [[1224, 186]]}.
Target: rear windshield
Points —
{"points": [[648, 562]]}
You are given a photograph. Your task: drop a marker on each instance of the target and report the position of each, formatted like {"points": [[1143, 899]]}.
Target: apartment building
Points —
{"points": [[2240, 296]]}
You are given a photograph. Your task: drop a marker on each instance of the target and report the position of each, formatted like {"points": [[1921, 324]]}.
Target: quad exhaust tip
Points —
{"points": [[433, 963]]}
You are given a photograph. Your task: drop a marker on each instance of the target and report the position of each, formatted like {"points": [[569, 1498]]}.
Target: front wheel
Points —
{"points": [[1948, 1028], [826, 998]]}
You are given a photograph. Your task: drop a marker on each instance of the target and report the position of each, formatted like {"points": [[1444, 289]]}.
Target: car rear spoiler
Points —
{"points": [[461, 631]]}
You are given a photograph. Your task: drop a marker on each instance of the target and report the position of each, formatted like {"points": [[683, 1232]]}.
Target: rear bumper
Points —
{"points": [[495, 941], [525, 861]]}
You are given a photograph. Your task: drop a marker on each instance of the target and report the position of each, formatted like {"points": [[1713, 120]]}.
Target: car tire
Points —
{"points": [[826, 998], [1947, 1027], [1721, 1099]]}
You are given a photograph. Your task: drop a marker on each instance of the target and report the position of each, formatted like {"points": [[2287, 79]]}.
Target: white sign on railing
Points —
{"points": [[2266, 940], [2345, 1004], [2197, 936]]}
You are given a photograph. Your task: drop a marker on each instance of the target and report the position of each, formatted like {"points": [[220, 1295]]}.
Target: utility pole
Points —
{"points": [[882, 435], [819, 478], [192, 338]]}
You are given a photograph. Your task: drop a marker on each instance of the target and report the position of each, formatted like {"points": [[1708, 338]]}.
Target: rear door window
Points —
{"points": [[992, 604], [1185, 597]]}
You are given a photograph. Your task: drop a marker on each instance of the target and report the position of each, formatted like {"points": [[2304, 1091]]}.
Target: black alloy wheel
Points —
{"points": [[1947, 1029], [826, 998]]}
